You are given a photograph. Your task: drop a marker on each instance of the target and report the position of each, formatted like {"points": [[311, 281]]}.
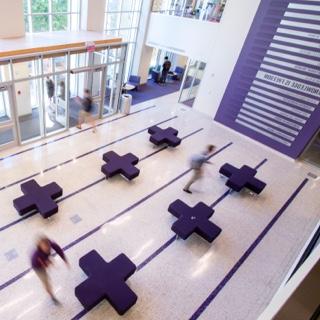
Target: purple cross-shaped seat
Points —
{"points": [[192, 220], [106, 281], [242, 178], [38, 198], [160, 136], [124, 165]]}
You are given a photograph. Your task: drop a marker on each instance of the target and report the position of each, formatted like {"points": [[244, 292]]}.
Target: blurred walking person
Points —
{"points": [[50, 89], [40, 261], [196, 164], [86, 109]]}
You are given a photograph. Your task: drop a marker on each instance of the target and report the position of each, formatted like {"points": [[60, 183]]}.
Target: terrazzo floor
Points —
{"points": [[233, 278]]}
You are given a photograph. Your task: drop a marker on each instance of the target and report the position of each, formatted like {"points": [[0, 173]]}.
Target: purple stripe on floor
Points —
{"points": [[156, 253], [11, 224], [73, 243], [73, 134], [167, 244], [247, 253], [84, 154]]}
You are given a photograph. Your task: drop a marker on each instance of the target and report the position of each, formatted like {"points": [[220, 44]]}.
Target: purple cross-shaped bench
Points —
{"points": [[242, 178], [160, 136], [192, 220], [38, 198], [124, 165], [106, 281]]}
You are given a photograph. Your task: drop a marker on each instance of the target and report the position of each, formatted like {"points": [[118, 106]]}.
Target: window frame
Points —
{"points": [[29, 15], [133, 27]]}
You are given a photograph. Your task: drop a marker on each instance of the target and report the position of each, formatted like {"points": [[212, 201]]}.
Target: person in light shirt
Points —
{"points": [[196, 164]]}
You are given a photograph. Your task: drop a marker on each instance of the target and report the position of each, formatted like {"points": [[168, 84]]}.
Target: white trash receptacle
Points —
{"points": [[126, 100]]}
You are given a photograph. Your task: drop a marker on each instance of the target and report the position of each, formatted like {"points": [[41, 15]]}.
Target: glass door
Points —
{"points": [[55, 88], [191, 82], [113, 85], [95, 87], [28, 98], [80, 81], [8, 136]]}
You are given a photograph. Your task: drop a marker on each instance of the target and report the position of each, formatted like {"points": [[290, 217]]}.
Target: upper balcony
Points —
{"points": [[205, 10]]}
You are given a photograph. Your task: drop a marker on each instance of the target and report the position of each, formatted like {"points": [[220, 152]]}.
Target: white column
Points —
{"points": [[11, 19], [143, 53], [92, 15]]}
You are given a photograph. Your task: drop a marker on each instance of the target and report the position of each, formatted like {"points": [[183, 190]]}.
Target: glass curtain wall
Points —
{"points": [[122, 19], [52, 15], [41, 95], [207, 10]]}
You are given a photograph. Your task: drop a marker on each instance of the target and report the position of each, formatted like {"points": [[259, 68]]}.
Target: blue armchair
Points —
{"points": [[179, 71], [155, 75], [135, 81]]}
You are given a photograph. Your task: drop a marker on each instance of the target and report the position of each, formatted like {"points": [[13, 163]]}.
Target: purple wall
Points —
{"points": [[273, 95]]}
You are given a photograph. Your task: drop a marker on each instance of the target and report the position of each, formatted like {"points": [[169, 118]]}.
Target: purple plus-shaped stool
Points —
{"points": [[192, 220], [38, 198], [242, 178], [124, 165], [106, 281], [160, 136]]}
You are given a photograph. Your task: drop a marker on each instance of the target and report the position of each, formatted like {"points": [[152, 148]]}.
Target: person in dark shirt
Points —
{"points": [[62, 93], [86, 109], [165, 70], [40, 261], [50, 88]]}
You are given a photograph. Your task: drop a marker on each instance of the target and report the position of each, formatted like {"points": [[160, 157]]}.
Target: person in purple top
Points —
{"points": [[40, 261]]}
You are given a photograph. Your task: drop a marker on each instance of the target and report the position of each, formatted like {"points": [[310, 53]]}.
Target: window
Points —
{"points": [[122, 20], [208, 10], [52, 15]]}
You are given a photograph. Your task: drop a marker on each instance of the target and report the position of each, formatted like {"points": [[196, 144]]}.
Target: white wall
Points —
{"points": [[183, 36], [11, 19], [217, 44], [233, 29]]}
